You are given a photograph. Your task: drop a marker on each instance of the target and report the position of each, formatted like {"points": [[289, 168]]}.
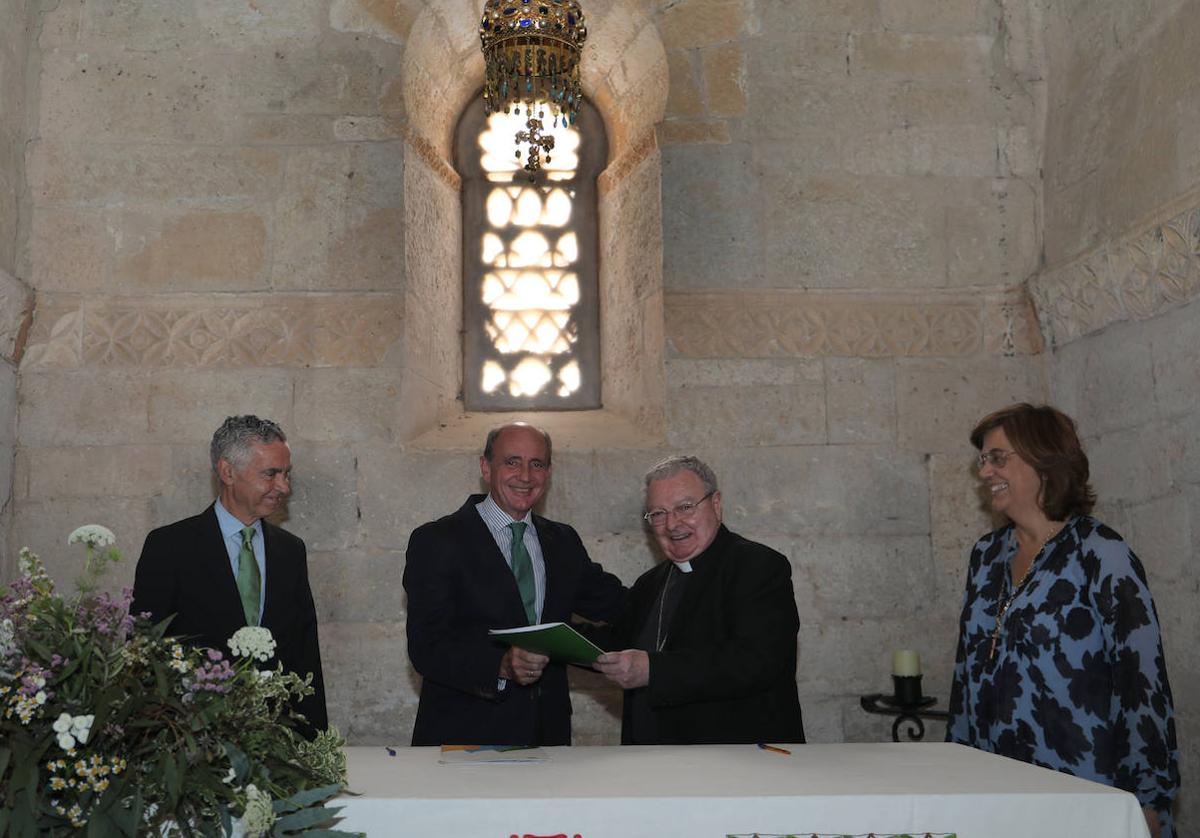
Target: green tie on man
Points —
{"points": [[249, 581], [522, 568]]}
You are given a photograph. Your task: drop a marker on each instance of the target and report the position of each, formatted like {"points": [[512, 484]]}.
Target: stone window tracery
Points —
{"points": [[530, 296]]}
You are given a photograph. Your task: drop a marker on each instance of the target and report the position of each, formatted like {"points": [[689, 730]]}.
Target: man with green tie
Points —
{"points": [[494, 564], [228, 567]]}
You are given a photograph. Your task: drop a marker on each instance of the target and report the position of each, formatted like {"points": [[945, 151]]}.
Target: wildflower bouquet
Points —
{"points": [[109, 728]]}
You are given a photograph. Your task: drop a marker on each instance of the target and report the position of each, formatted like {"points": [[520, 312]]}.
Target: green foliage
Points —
{"points": [[108, 728]]}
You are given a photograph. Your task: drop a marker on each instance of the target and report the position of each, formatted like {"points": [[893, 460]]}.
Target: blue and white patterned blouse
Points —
{"points": [[1078, 682]]}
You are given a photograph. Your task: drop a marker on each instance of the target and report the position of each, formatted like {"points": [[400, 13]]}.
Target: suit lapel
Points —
{"points": [[271, 581], [492, 565], [552, 559]]}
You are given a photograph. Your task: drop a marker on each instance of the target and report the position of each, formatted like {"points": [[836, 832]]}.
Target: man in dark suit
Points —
{"points": [[708, 637], [493, 564], [228, 567]]}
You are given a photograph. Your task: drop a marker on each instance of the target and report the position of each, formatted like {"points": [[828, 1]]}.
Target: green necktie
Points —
{"points": [[248, 581], [522, 568]]}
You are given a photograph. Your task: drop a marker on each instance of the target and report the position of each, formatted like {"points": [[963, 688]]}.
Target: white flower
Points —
{"points": [[252, 642], [93, 535], [265, 674], [40, 698], [62, 724], [66, 741], [229, 777], [259, 816], [81, 727]]}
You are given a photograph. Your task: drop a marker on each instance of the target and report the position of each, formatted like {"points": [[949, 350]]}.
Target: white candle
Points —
{"points": [[906, 663]]}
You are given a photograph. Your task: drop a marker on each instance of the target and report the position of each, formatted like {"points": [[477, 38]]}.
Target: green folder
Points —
{"points": [[558, 641]]}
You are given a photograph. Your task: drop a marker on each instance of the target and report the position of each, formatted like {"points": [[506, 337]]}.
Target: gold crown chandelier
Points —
{"points": [[531, 51]]}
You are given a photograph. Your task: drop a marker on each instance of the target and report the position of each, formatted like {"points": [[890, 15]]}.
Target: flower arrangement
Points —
{"points": [[109, 728]]}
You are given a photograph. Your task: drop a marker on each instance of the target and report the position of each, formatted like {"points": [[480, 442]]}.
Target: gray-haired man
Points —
{"points": [[228, 567], [708, 638]]}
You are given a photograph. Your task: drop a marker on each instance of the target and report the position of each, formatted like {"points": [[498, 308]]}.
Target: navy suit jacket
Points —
{"points": [[459, 585], [184, 570]]}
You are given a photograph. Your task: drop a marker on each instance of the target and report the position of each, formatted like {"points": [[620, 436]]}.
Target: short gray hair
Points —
{"points": [[233, 439], [671, 466], [489, 444]]}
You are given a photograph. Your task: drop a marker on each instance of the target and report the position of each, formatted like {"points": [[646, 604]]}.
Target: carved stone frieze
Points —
{"points": [[215, 332], [1135, 278], [781, 324]]}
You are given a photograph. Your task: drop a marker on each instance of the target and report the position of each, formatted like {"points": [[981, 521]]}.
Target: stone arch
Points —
{"points": [[625, 76]]}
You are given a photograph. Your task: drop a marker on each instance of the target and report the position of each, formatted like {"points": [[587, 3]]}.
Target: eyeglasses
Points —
{"points": [[996, 457], [684, 512]]}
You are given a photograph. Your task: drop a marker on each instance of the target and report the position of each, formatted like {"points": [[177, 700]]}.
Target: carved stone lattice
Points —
{"points": [[1135, 278], [785, 324], [295, 332]]}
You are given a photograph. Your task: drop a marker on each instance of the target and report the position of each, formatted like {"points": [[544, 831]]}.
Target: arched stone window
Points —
{"points": [[531, 332]]}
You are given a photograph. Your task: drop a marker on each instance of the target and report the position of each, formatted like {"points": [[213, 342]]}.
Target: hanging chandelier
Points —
{"points": [[531, 51]]}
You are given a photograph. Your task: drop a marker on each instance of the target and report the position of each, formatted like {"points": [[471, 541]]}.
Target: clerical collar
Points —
{"points": [[684, 567]]}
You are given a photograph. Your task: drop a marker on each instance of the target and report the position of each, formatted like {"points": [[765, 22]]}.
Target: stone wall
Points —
{"points": [[816, 225], [1119, 300], [15, 300], [817, 220]]}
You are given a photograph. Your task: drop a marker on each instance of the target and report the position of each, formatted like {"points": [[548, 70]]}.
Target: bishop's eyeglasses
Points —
{"points": [[683, 512]]}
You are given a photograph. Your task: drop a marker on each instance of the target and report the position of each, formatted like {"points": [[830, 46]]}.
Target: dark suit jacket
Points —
{"points": [[184, 570], [459, 585], [727, 671]]}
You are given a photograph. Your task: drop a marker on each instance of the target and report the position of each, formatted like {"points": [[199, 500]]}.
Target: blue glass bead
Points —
{"points": [[524, 23], [570, 19]]}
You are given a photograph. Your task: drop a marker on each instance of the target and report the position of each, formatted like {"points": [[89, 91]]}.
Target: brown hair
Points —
{"points": [[1046, 439]]}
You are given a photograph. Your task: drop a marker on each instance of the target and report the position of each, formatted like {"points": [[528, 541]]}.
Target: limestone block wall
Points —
{"points": [[850, 203], [15, 300], [817, 219], [1118, 300]]}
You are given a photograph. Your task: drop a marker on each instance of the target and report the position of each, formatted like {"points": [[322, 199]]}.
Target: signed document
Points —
{"points": [[558, 641]]}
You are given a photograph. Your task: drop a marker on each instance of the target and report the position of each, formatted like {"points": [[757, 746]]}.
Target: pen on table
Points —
{"points": [[767, 747]]}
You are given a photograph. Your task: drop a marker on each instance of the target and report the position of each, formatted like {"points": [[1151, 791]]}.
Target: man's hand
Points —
{"points": [[522, 666], [628, 669]]}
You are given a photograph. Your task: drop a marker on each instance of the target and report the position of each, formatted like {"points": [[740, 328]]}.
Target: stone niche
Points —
{"points": [[626, 77]]}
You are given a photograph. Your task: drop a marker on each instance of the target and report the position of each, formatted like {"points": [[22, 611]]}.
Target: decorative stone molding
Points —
{"points": [[1135, 278], [16, 309], [221, 332], [785, 324]]}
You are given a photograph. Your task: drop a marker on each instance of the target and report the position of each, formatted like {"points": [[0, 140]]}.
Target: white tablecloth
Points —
{"points": [[614, 792]]}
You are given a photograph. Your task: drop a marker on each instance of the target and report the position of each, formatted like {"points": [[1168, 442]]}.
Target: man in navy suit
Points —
{"points": [[461, 579], [192, 569]]}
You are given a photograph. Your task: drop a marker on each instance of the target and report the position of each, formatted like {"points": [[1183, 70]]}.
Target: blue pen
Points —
{"points": [[767, 747]]}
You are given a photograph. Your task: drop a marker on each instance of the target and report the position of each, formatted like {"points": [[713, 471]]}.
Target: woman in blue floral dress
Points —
{"points": [[1059, 659]]}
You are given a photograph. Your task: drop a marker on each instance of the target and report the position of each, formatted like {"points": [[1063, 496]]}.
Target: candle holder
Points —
{"points": [[907, 690], [907, 704]]}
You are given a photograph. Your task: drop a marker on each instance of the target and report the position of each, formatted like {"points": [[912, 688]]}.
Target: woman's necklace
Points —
{"points": [[1016, 589], [659, 638]]}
